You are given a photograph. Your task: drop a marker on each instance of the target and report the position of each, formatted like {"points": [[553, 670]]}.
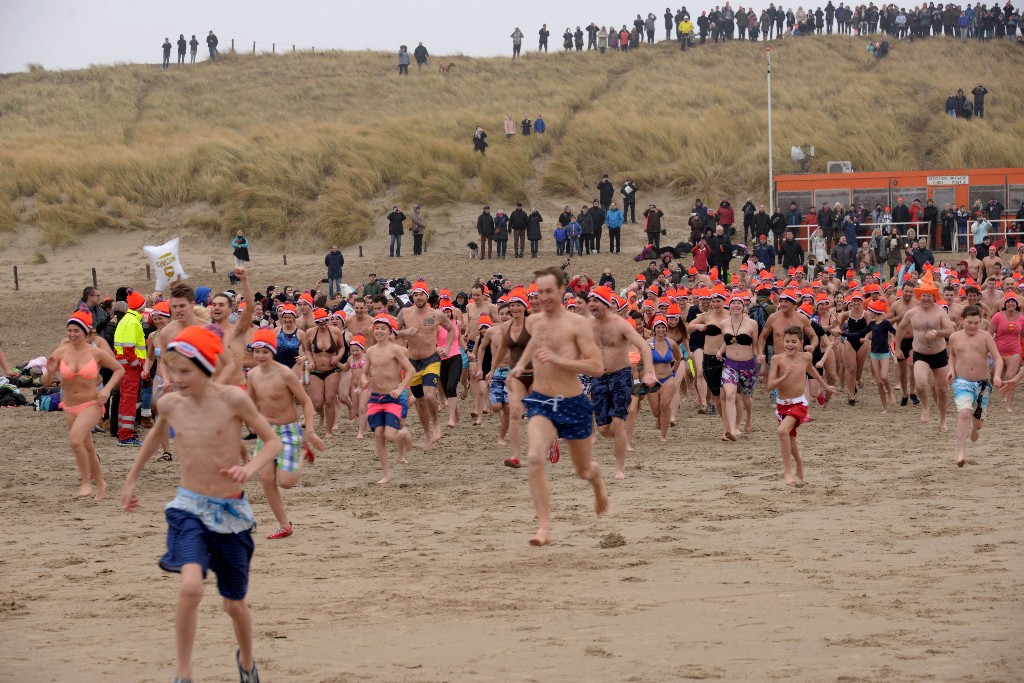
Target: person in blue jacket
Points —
{"points": [[539, 126], [614, 220]]}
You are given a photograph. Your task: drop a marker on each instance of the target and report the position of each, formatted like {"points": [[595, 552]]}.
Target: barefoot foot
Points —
{"points": [[540, 538], [600, 498], [384, 480], [620, 475], [101, 490], [84, 490]]}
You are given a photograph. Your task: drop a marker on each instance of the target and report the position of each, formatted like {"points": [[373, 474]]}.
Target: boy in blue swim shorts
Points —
{"points": [[971, 350], [386, 365], [209, 522], [561, 348]]}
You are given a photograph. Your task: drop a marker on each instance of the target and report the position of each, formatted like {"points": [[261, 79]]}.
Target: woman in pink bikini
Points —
{"points": [[82, 398], [1007, 327]]}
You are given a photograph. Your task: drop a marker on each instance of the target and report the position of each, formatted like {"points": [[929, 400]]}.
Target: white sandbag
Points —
{"points": [[166, 263]]}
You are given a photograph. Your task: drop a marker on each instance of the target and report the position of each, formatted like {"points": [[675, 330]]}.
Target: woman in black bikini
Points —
{"points": [[323, 348], [344, 372], [855, 350], [739, 372]]}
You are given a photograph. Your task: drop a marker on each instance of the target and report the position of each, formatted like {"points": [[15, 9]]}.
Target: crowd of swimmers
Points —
{"points": [[290, 366]]}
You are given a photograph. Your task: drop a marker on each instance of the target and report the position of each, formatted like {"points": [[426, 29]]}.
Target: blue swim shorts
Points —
{"points": [[213, 533], [572, 416], [611, 395]]}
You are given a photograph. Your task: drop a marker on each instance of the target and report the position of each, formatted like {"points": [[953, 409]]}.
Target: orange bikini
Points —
{"points": [[89, 371]]}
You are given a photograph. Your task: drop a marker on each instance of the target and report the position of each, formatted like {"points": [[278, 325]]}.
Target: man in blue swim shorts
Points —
{"points": [[612, 391], [561, 348]]}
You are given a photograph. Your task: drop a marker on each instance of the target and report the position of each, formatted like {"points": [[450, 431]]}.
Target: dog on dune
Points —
{"points": [[474, 250], [445, 68]]}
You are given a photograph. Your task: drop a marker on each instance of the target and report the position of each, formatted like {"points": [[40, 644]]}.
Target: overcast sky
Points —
{"points": [[72, 34]]}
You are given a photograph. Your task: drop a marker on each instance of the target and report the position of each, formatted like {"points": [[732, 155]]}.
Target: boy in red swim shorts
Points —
{"points": [[788, 375]]}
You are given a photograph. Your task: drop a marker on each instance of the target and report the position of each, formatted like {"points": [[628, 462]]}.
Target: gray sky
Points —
{"points": [[72, 34]]}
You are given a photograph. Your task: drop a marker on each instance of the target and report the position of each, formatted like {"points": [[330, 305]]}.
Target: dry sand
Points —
{"points": [[890, 565]]}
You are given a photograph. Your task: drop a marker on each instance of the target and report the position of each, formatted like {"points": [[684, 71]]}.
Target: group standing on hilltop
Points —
{"points": [[192, 45]]}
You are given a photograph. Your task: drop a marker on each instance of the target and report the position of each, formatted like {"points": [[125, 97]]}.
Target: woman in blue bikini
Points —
{"points": [[667, 357]]}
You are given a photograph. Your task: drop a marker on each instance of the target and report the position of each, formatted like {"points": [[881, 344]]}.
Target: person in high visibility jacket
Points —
{"points": [[130, 351], [685, 31]]}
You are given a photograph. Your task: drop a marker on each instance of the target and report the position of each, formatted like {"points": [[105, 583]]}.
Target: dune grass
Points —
{"points": [[316, 146]]}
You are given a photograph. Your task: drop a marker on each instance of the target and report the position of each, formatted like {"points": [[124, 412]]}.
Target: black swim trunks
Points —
{"points": [[906, 346], [936, 361], [713, 374]]}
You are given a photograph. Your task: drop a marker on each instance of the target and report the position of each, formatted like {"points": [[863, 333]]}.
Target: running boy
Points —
{"points": [[209, 521], [386, 364], [971, 349], [275, 389], [789, 374]]}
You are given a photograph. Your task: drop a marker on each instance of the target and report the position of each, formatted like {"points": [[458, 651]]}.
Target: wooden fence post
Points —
{"points": [[254, 47], [285, 256], [16, 278], [148, 276], [94, 278], [213, 266]]}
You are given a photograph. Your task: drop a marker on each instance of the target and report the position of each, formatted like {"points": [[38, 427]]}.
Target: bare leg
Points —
{"points": [[430, 404], [876, 374], [729, 417], [540, 434], [186, 617], [330, 389], [241, 621], [939, 387], [850, 358], [382, 454], [82, 446], [516, 392], [634, 408], [1011, 364], [786, 447], [268, 478], [963, 425], [748, 410], [423, 406], [588, 470], [797, 459], [701, 383], [921, 374], [403, 438]]}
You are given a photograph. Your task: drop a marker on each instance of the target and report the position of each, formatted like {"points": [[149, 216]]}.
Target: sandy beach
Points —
{"points": [[891, 564]]}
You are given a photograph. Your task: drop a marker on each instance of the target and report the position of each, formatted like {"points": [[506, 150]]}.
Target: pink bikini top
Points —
{"points": [[90, 370]]}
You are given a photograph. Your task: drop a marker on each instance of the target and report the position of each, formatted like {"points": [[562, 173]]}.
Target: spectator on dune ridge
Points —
{"points": [[193, 48], [211, 43], [421, 56], [403, 60], [480, 140], [167, 52], [544, 34], [182, 44], [517, 42]]}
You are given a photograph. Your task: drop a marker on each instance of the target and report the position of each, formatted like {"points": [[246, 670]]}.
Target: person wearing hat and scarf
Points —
{"points": [[78, 364], [130, 350]]}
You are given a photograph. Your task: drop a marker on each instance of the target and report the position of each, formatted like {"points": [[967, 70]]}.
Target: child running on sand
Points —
{"points": [[357, 360], [788, 375], [971, 349], [386, 364], [209, 521], [275, 389]]}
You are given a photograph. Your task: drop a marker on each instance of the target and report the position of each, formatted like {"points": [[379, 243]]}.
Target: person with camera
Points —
{"points": [[652, 224], [396, 228], [628, 193]]}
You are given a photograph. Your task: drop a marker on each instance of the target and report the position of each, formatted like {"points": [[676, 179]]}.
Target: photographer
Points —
{"points": [[581, 284], [652, 224]]}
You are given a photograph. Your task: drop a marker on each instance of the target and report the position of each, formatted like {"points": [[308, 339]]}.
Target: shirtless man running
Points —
{"points": [[420, 323], [360, 321], [561, 349], [931, 328], [970, 352], [612, 391], [897, 311]]}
